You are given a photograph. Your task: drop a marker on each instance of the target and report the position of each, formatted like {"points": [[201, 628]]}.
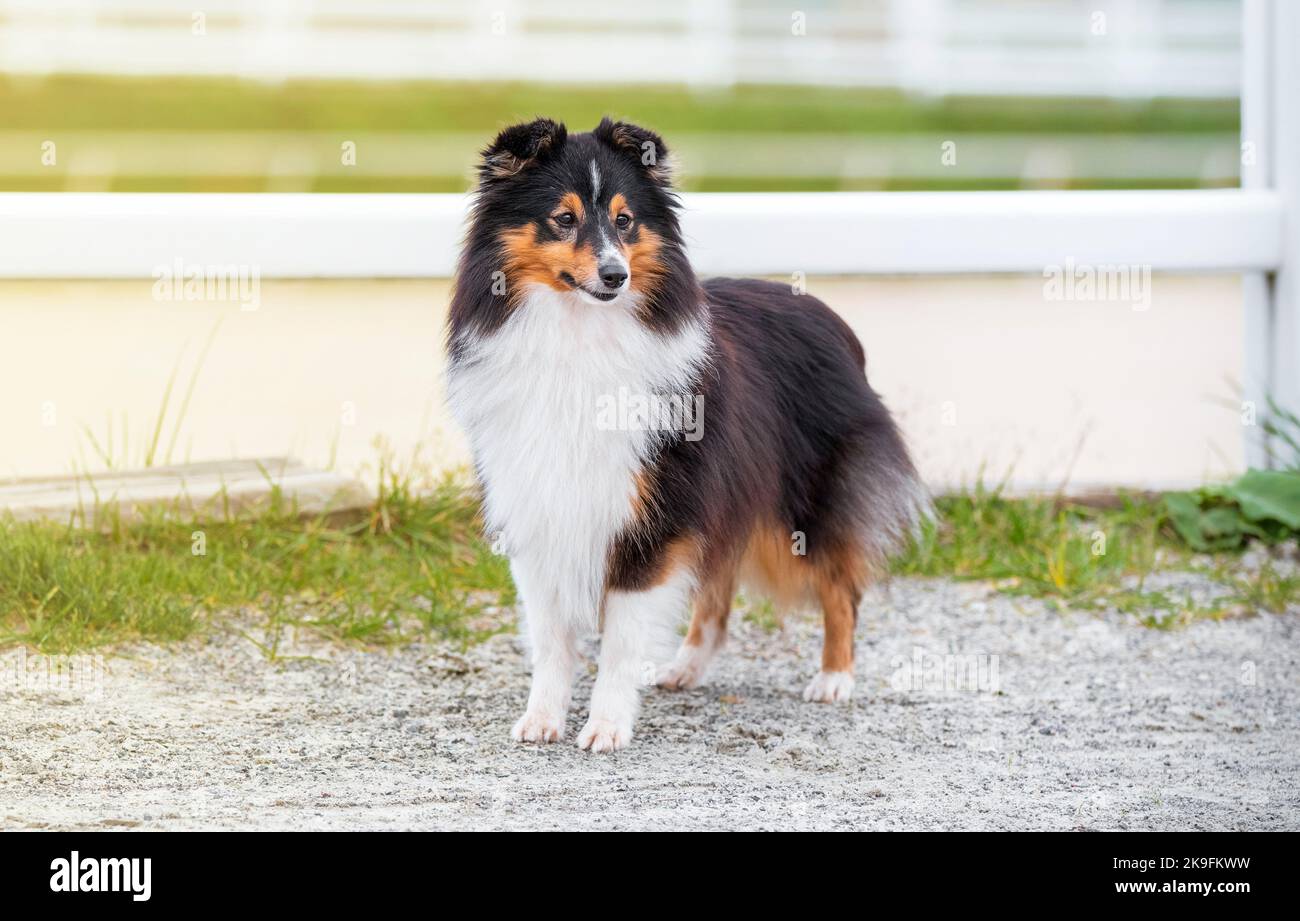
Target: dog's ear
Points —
{"points": [[519, 146], [641, 144]]}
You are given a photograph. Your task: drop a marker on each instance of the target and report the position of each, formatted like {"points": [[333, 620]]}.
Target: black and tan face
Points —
{"points": [[585, 213]]}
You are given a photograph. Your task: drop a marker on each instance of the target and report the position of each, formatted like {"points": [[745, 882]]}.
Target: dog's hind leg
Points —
{"points": [[707, 633], [839, 601], [632, 619]]}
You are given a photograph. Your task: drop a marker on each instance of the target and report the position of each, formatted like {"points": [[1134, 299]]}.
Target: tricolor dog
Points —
{"points": [[646, 441]]}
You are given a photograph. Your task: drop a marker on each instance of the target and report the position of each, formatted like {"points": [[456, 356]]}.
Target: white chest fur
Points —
{"points": [[559, 481]]}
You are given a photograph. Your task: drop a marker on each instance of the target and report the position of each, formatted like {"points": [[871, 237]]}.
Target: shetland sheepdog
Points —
{"points": [[646, 441]]}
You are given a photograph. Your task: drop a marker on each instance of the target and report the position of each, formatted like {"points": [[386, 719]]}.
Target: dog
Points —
{"points": [[646, 441]]}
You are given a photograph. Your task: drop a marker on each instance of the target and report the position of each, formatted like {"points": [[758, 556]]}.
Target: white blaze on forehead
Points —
{"points": [[609, 249], [609, 252]]}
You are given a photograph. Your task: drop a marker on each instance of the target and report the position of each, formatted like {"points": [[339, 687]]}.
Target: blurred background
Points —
{"points": [[753, 95], [254, 95]]}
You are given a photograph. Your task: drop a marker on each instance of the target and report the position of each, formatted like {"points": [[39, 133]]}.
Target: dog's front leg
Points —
{"points": [[553, 643], [617, 694]]}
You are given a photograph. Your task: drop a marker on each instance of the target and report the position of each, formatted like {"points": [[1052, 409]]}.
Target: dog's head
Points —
{"points": [[589, 214]]}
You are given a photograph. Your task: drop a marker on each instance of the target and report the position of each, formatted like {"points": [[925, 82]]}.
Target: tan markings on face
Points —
{"points": [[643, 259], [617, 205], [529, 260], [571, 202]]}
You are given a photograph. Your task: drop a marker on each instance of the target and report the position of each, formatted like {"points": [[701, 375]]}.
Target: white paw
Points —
{"points": [[680, 675], [829, 687], [604, 735], [687, 668], [538, 727]]}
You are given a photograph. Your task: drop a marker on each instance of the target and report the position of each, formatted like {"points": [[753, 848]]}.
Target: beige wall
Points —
{"points": [[982, 372]]}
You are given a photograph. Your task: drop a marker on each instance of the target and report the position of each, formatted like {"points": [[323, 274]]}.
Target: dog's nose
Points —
{"points": [[613, 274]]}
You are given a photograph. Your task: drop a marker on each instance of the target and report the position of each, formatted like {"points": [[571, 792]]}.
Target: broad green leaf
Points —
{"points": [[1223, 521], [1185, 514], [1269, 495]]}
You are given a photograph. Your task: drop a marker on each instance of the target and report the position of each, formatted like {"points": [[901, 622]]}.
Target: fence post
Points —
{"points": [[1257, 378], [1270, 139], [1286, 181]]}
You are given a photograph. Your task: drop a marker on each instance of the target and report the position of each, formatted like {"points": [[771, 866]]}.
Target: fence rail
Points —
{"points": [[92, 235], [1135, 48]]}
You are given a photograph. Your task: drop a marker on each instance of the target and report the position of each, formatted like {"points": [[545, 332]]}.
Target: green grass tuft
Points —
{"points": [[1080, 557], [1038, 546], [414, 564]]}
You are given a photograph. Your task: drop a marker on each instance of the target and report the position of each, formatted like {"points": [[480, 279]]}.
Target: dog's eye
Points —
{"points": [[564, 218], [624, 221]]}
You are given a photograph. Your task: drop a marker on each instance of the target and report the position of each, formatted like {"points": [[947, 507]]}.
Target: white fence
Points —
{"points": [[115, 235], [1123, 48], [1254, 231]]}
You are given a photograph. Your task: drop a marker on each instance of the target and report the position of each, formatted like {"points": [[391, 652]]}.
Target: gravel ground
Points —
{"points": [[1083, 721]]}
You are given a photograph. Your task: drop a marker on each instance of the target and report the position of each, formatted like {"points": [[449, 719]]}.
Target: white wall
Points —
{"points": [[983, 371]]}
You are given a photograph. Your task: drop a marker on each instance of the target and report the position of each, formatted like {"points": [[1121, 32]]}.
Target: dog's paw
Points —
{"points": [[680, 675], [829, 687], [687, 668], [538, 727], [604, 735]]}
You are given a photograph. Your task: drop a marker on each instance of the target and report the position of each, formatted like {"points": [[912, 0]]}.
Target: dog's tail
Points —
{"points": [[892, 503]]}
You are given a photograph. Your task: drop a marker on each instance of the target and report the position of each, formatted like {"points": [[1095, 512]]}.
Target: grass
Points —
{"points": [[1267, 589], [65, 102], [416, 565], [69, 103], [1038, 546], [116, 454], [1079, 557]]}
